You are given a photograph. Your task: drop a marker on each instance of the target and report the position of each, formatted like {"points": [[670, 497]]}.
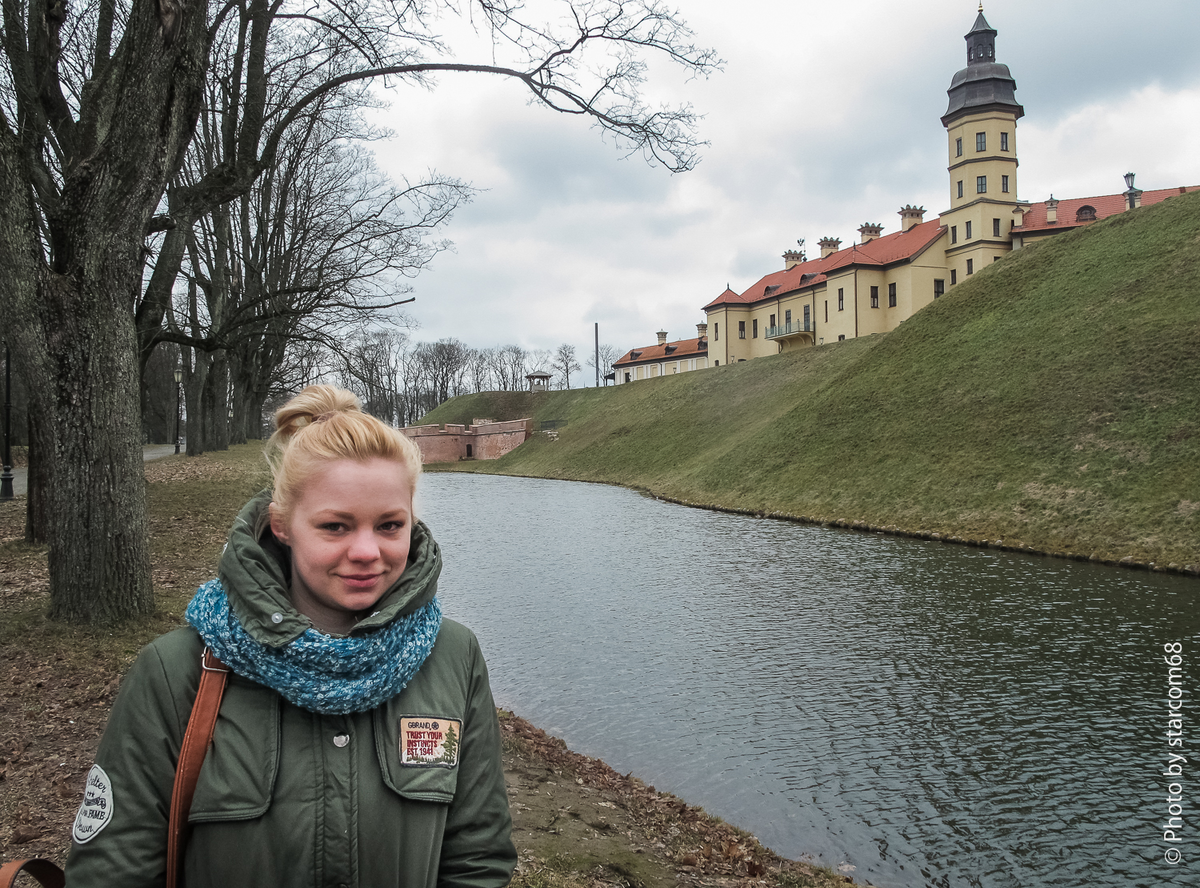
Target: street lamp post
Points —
{"points": [[6, 479], [178, 406]]}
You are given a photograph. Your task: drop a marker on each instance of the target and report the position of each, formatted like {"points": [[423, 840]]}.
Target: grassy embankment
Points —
{"points": [[1052, 402], [577, 824]]}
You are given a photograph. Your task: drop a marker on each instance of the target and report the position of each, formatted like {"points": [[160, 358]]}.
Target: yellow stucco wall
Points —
{"points": [[988, 142]]}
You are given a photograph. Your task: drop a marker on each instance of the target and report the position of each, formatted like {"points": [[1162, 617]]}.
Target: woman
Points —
{"points": [[357, 743]]}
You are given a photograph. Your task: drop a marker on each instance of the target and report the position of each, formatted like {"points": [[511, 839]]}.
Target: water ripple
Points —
{"points": [[932, 715]]}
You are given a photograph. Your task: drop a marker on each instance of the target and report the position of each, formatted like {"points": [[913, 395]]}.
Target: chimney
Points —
{"points": [[662, 337], [701, 331], [792, 258], [829, 246], [868, 231], [1051, 210], [910, 216]]}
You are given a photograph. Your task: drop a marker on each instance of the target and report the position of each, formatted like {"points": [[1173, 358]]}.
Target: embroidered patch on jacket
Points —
{"points": [[429, 741], [97, 808]]}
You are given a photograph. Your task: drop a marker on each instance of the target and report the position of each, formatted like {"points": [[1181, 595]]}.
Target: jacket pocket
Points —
{"points": [[238, 776], [417, 781]]}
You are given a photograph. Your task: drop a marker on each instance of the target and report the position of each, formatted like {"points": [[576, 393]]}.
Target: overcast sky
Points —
{"points": [[825, 116]]}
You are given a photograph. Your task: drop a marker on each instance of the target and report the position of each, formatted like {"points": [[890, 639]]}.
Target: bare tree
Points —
{"points": [[608, 356], [95, 117], [89, 136], [510, 364], [372, 370], [479, 374], [319, 246], [564, 364]]}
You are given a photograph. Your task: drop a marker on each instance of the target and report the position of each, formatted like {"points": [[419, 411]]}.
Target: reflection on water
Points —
{"points": [[930, 714]]}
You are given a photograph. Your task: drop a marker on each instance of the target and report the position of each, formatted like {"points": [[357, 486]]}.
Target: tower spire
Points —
{"points": [[984, 84]]}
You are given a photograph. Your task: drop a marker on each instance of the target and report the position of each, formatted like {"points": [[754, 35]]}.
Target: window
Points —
{"points": [[754, 335], [981, 184], [741, 329], [891, 295], [970, 266], [841, 299], [939, 287], [716, 363], [841, 337], [958, 147], [874, 297], [1085, 213], [716, 332], [787, 316], [953, 276], [953, 234], [772, 324], [960, 190], [806, 317], [827, 311], [995, 228], [968, 231], [981, 141], [1004, 184], [1004, 141]]}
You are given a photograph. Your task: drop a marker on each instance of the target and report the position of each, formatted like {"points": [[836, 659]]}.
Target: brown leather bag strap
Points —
{"points": [[201, 724], [47, 873]]}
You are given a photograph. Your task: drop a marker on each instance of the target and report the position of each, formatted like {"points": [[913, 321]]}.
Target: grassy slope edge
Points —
{"points": [[1051, 402]]}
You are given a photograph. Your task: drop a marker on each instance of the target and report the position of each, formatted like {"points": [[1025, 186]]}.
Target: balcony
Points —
{"points": [[793, 333]]}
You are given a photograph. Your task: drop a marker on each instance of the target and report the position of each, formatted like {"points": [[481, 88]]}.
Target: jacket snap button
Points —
{"points": [[276, 618], [341, 740]]}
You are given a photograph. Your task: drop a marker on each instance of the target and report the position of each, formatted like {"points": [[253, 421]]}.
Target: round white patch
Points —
{"points": [[97, 807]]}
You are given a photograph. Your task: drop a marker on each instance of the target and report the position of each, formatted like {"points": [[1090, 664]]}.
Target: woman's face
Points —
{"points": [[349, 532]]}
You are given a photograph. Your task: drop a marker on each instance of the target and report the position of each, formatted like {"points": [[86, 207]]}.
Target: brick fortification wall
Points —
{"points": [[486, 440]]}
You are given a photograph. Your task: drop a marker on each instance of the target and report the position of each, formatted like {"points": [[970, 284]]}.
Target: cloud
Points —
{"points": [[826, 117]]}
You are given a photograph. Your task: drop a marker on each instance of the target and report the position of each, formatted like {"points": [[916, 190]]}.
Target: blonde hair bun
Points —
{"points": [[325, 423], [315, 403]]}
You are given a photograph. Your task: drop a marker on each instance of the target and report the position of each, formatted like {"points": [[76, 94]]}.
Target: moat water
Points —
{"points": [[917, 714]]}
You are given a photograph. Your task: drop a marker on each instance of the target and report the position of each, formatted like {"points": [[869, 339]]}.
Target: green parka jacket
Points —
{"points": [[293, 798]]}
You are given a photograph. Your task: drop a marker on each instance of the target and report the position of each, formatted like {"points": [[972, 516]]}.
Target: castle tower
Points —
{"points": [[981, 130]]}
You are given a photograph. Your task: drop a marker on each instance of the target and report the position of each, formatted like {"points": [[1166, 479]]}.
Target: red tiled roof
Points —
{"points": [[672, 351], [881, 251], [1105, 205]]}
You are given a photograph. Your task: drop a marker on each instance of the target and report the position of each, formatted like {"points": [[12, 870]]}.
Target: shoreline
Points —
{"points": [[1018, 547], [577, 818]]}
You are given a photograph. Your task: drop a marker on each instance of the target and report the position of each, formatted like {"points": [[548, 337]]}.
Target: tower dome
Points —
{"points": [[984, 84]]}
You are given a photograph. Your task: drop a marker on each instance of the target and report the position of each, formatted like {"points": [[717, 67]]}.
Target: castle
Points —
{"points": [[873, 285]]}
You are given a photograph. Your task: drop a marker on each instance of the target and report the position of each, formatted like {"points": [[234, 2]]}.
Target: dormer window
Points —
{"points": [[1085, 213]]}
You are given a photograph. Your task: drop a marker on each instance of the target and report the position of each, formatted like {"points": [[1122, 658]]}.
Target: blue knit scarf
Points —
{"points": [[332, 676]]}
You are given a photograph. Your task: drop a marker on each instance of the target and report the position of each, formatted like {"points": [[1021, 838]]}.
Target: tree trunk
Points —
{"points": [[90, 488], [215, 401], [98, 492], [37, 519], [70, 272], [194, 381]]}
